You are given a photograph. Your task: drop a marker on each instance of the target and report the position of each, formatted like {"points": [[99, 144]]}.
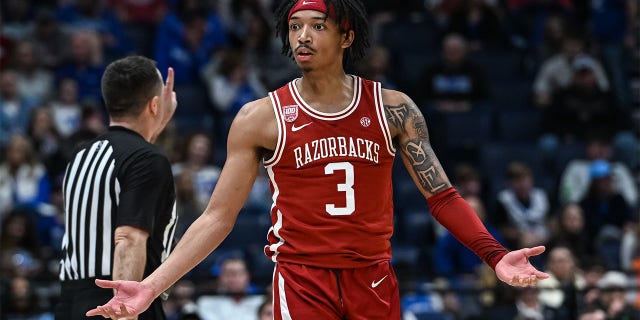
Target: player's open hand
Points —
{"points": [[131, 299], [515, 269]]}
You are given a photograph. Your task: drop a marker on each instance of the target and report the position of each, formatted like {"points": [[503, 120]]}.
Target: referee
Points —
{"points": [[118, 190]]}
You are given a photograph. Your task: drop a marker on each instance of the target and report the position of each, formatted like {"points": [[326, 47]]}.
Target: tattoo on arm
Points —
{"points": [[414, 143]]}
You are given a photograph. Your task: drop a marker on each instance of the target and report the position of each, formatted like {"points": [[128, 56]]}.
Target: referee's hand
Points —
{"points": [[131, 299]]}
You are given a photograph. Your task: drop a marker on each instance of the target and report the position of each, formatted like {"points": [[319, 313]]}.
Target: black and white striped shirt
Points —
{"points": [[118, 179]]}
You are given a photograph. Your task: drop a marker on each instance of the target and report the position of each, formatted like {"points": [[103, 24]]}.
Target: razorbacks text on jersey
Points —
{"points": [[330, 179]]}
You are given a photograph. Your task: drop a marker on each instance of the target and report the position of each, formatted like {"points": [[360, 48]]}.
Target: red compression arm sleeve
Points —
{"points": [[455, 214]]}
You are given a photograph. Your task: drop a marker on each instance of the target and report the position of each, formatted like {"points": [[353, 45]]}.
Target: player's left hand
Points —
{"points": [[514, 268]]}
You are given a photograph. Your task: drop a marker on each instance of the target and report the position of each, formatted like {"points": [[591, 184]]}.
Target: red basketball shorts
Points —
{"points": [[307, 293]]}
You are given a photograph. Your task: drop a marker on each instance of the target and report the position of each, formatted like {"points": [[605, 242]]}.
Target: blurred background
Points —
{"points": [[533, 107]]}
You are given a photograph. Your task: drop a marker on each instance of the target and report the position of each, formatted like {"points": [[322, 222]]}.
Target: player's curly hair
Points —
{"points": [[352, 11]]}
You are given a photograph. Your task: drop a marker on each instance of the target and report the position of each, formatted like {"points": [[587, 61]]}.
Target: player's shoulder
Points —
{"points": [[256, 110], [395, 98]]}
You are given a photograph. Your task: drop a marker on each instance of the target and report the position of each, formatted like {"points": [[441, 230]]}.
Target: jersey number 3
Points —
{"points": [[346, 187]]}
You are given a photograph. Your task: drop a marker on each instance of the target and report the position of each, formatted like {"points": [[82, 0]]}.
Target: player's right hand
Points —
{"points": [[131, 299]]}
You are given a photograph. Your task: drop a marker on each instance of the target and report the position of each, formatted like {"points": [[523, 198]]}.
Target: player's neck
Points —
{"points": [[327, 92]]}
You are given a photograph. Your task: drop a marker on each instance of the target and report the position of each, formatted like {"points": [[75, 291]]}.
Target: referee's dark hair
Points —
{"points": [[128, 84], [351, 11]]}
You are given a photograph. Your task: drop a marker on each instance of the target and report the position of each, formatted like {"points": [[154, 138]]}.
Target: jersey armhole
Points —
{"points": [[382, 119], [275, 103]]}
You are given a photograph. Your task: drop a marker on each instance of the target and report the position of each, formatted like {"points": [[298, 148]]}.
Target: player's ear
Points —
{"points": [[347, 39]]}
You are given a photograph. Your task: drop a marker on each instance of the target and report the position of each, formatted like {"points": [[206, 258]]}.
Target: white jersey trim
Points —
{"points": [[382, 119], [355, 101], [284, 306], [278, 224], [282, 133]]}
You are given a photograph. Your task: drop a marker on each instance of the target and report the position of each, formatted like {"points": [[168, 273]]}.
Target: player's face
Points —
{"points": [[315, 40]]}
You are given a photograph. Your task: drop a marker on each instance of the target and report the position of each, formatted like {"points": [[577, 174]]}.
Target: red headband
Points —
{"points": [[316, 5]]}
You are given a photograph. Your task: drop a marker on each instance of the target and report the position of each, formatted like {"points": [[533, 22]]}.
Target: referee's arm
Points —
{"points": [[130, 253]]}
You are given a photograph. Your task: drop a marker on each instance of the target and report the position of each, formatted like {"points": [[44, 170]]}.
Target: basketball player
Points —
{"points": [[327, 141]]}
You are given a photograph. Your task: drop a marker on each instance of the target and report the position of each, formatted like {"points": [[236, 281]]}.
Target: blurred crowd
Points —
{"points": [[533, 107]]}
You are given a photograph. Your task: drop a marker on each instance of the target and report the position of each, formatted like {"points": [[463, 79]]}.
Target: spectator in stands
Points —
{"points": [[186, 205], [557, 72], [608, 215], [614, 28], [231, 82], [522, 209], [592, 313], [630, 254], [375, 66], [565, 281], [234, 299], [20, 301], [196, 158], [263, 55], [23, 179], [15, 109], [453, 84], [265, 311], [140, 19], [50, 39], [478, 21], [46, 141], [16, 18], [237, 17], [584, 105], [612, 297], [467, 181], [186, 39], [576, 178], [85, 65], [99, 18], [571, 232], [528, 18], [19, 245], [34, 81], [555, 33], [181, 302], [525, 307], [7, 46], [65, 108]]}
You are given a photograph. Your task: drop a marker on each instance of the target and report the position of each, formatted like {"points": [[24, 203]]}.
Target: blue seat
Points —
{"points": [[433, 316], [565, 154], [408, 36], [466, 130], [411, 65], [194, 112], [495, 158], [498, 65], [250, 231], [519, 126], [512, 95]]}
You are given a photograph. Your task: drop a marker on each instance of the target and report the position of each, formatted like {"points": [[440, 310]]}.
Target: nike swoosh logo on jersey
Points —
{"points": [[294, 128], [376, 283], [304, 3]]}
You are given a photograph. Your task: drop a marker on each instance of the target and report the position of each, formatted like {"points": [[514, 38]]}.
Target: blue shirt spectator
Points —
{"points": [[85, 66], [14, 108], [91, 15], [187, 42]]}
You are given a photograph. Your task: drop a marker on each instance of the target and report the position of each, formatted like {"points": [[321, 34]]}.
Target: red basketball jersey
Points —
{"points": [[330, 179]]}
